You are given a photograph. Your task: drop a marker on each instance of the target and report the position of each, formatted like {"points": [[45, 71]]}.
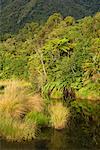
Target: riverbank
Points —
{"points": [[22, 114]]}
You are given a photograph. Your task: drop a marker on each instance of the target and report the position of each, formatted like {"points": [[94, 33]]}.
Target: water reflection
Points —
{"points": [[53, 140]]}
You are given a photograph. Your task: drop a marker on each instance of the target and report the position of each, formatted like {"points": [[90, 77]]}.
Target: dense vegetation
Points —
{"points": [[63, 52], [14, 14], [60, 57]]}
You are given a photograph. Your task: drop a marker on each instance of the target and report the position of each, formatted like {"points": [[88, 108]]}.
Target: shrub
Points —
{"points": [[59, 115]]}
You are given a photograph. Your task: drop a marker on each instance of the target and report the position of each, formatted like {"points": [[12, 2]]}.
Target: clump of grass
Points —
{"points": [[12, 102], [20, 83], [59, 115], [15, 130], [13, 108], [16, 102], [35, 103], [37, 117]]}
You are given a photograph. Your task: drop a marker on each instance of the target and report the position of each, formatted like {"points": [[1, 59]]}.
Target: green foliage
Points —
{"points": [[69, 20], [37, 117], [53, 20], [56, 94], [14, 14], [88, 110], [63, 52]]}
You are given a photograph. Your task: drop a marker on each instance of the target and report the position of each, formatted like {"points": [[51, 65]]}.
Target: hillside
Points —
{"points": [[15, 13], [63, 52]]}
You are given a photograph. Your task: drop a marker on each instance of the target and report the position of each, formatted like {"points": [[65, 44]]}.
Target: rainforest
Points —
{"points": [[50, 84]]}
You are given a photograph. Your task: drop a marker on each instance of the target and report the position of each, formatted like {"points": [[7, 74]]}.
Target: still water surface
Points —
{"points": [[54, 140]]}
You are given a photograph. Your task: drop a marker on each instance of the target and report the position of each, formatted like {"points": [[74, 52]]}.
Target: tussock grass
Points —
{"points": [[59, 115], [21, 113], [20, 83], [14, 109], [38, 117], [12, 102], [15, 130], [15, 104], [15, 101], [35, 103]]}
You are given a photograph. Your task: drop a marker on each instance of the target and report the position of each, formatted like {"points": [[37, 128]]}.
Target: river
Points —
{"points": [[50, 139]]}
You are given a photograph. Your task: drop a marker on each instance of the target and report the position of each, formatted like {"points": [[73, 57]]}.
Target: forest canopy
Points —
{"points": [[64, 52], [15, 14]]}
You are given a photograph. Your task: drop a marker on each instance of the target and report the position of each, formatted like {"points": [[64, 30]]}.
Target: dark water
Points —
{"points": [[55, 140]]}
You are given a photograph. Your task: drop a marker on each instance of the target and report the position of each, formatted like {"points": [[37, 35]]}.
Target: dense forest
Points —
{"points": [[63, 52], [60, 60], [14, 14]]}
